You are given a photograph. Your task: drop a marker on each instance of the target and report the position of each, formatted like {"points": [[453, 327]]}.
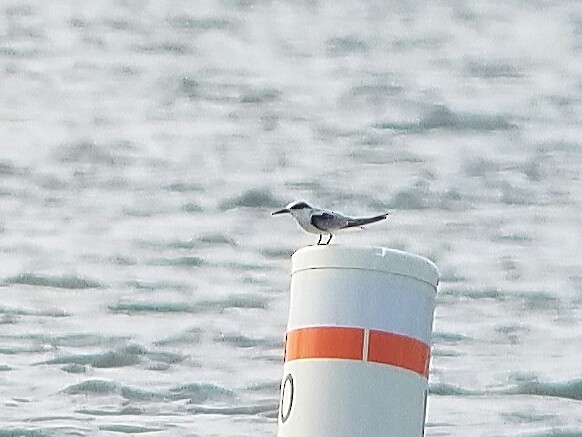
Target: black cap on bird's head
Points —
{"points": [[293, 206]]}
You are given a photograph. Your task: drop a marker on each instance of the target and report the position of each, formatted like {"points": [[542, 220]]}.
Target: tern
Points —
{"points": [[322, 221]]}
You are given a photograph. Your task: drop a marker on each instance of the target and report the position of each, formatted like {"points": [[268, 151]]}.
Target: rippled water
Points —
{"points": [[144, 283]]}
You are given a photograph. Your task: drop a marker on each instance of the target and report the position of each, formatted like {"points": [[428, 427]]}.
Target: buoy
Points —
{"points": [[357, 347]]}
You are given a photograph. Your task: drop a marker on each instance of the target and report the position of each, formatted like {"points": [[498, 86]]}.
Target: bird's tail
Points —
{"points": [[365, 221]]}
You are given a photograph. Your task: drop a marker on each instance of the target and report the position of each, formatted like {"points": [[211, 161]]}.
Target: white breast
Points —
{"points": [[303, 219]]}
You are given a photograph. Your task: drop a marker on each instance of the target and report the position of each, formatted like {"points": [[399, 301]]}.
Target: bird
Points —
{"points": [[322, 221]]}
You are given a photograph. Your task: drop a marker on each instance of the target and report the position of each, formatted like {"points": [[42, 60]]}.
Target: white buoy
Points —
{"points": [[358, 343]]}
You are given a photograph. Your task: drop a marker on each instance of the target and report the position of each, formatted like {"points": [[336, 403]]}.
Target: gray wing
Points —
{"points": [[326, 221], [352, 222]]}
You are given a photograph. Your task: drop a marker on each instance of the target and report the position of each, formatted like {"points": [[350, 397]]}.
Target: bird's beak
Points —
{"points": [[281, 211]]}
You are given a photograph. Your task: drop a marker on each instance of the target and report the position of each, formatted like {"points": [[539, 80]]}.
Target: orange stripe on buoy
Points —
{"points": [[399, 350], [325, 342], [334, 342]]}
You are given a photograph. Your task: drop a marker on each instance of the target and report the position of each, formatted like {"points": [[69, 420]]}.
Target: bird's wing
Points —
{"points": [[352, 222], [326, 221]]}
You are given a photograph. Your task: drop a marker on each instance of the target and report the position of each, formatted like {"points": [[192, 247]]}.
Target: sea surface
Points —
{"points": [[143, 145]]}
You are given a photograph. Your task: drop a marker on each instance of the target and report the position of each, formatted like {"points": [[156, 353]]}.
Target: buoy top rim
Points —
{"points": [[380, 259]]}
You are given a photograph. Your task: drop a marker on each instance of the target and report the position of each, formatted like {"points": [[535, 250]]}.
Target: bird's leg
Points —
{"points": [[319, 241], [330, 237]]}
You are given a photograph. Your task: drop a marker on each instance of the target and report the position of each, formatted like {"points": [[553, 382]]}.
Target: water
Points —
{"points": [[144, 284]]}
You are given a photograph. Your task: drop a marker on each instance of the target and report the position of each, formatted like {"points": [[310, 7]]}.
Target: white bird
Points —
{"points": [[323, 221]]}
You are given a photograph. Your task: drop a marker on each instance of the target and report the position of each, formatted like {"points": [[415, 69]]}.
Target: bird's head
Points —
{"points": [[293, 208]]}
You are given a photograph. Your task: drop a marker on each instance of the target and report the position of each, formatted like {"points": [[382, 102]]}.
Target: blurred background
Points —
{"points": [[145, 143]]}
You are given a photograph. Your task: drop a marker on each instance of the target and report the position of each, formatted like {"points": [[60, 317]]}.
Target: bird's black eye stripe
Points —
{"points": [[300, 205]]}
